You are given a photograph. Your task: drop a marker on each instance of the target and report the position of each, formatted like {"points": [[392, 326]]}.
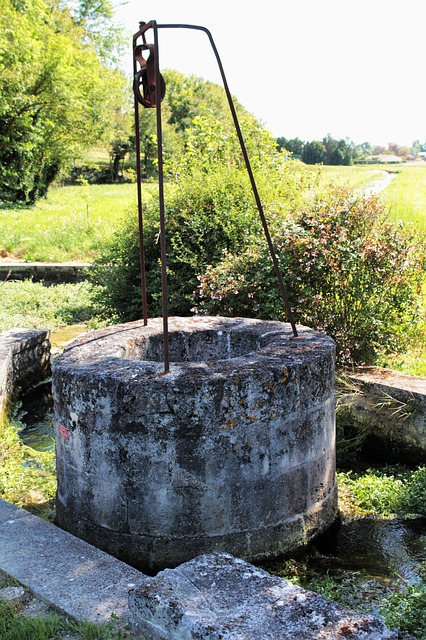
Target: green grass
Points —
{"points": [[386, 492], [356, 176], [72, 223], [76, 222], [30, 305], [406, 195], [52, 626]]}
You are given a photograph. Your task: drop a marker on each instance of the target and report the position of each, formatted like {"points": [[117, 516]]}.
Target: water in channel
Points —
{"points": [[33, 415]]}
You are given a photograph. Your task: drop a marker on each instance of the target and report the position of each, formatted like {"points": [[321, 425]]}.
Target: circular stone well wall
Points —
{"points": [[233, 450]]}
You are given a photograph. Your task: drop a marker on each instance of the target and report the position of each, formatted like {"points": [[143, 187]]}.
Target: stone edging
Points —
{"points": [[49, 273], [24, 360]]}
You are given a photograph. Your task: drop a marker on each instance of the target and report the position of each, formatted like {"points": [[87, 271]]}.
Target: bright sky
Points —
{"points": [[305, 68]]}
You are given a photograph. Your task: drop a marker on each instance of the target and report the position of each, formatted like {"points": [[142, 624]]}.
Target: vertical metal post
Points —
{"points": [[248, 167], [140, 215], [161, 201]]}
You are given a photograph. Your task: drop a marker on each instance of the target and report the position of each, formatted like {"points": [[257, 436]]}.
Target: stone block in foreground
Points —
{"points": [[219, 597]]}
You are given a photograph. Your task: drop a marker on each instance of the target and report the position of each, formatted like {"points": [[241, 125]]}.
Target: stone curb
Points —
{"points": [[47, 272], [392, 405], [75, 577]]}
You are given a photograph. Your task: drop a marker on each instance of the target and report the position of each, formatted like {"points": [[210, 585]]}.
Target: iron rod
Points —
{"points": [[143, 27], [163, 248], [140, 208]]}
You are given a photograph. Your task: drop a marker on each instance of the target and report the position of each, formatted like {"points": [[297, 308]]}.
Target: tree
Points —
{"points": [[56, 97], [294, 146], [96, 19], [314, 152], [338, 152], [187, 104]]}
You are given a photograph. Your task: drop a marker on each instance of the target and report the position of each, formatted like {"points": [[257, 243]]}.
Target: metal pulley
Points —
{"points": [[144, 83]]}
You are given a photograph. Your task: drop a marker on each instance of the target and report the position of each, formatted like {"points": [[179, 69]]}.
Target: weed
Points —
{"points": [[27, 477], [386, 492], [406, 610], [15, 626]]}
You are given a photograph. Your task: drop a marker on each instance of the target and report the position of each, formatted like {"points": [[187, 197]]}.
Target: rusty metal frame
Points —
{"points": [[143, 28]]}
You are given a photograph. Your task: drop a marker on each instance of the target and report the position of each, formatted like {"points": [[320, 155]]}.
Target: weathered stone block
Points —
{"points": [[219, 597], [391, 407]]}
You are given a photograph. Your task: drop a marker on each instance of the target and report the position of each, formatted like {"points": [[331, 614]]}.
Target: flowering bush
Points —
{"points": [[348, 271]]}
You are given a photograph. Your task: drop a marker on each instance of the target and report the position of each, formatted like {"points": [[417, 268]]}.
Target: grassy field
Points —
{"points": [[406, 195], [72, 223], [76, 222], [356, 176]]}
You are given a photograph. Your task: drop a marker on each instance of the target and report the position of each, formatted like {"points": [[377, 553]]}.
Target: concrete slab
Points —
{"points": [[75, 577], [391, 407]]}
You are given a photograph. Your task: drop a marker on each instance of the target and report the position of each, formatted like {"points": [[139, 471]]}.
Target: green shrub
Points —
{"points": [[348, 271], [210, 209], [206, 214], [415, 492]]}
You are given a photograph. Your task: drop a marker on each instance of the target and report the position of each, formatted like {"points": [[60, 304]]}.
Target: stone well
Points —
{"points": [[233, 450]]}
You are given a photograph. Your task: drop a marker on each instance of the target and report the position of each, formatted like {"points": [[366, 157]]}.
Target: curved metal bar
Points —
{"points": [[248, 166]]}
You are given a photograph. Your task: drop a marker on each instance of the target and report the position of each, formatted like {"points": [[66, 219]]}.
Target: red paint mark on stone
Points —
{"points": [[63, 431]]}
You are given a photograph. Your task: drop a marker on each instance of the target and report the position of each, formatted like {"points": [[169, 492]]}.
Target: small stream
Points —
{"points": [[33, 413], [34, 417], [380, 184], [366, 560]]}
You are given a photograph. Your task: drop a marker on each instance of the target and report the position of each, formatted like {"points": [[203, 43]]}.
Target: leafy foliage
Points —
{"points": [[57, 97], [31, 304], [349, 272], [406, 611], [195, 117], [218, 215]]}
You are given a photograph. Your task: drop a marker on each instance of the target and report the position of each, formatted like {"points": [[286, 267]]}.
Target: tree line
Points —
{"points": [[62, 92], [331, 151]]}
